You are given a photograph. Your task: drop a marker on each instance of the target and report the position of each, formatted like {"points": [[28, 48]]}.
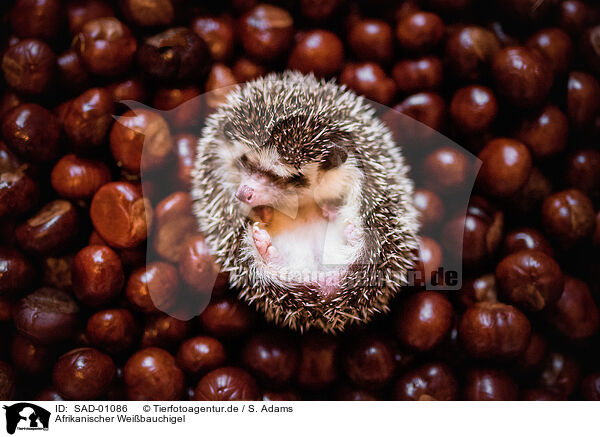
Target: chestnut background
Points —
{"points": [[513, 81]]}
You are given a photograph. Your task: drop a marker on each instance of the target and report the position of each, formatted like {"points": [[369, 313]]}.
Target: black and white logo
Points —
{"points": [[26, 417]]}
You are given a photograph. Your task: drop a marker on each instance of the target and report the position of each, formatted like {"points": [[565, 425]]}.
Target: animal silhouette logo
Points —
{"points": [[26, 416]]}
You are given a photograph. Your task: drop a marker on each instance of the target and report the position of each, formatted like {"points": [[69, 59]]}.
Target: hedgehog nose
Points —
{"points": [[245, 194]]}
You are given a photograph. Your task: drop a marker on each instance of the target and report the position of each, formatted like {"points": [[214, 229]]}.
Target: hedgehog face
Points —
{"points": [[286, 170]]}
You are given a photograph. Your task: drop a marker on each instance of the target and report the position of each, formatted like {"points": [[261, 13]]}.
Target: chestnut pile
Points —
{"points": [[515, 82]]}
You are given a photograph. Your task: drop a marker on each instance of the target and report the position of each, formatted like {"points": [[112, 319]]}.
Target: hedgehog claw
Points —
{"points": [[262, 241]]}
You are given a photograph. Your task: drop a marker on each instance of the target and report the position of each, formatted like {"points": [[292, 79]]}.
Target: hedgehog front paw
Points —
{"points": [[262, 241], [351, 234]]}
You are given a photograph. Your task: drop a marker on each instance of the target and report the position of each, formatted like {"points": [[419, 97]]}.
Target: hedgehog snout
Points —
{"points": [[255, 189], [245, 194]]}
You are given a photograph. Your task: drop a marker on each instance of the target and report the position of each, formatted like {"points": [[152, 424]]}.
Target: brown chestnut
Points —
{"points": [[526, 238], [184, 106], [112, 330], [530, 279], [473, 109], [106, 46], [162, 330], [545, 133], [219, 83], [506, 164], [226, 318], [140, 140], [80, 12], [218, 34], [568, 217], [36, 18], [266, 32], [152, 374], [198, 269], [430, 208], [420, 31], [198, 355], [173, 56], [153, 286], [489, 385], [426, 107], [369, 362], [46, 316], [494, 331], [29, 66], [372, 40], [227, 384], [51, 230], [370, 80], [481, 289], [318, 51], [421, 74], [120, 215], [83, 374], [29, 357], [469, 52], [149, 13], [127, 89], [272, 357], [533, 356], [18, 192], [78, 178], [560, 373], [318, 361], [583, 171], [32, 132], [447, 169], [17, 272], [576, 15], [575, 315], [433, 381], [583, 98], [72, 74], [185, 149], [89, 118], [424, 320], [522, 76], [555, 45], [97, 275], [479, 233]]}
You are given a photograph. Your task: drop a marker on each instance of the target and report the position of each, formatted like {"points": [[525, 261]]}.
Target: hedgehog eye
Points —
{"points": [[244, 160], [297, 180]]}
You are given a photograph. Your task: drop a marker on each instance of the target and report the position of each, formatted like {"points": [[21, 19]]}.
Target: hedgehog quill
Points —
{"points": [[304, 199]]}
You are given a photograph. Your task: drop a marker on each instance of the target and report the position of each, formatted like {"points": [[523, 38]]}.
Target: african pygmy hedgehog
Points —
{"points": [[304, 198]]}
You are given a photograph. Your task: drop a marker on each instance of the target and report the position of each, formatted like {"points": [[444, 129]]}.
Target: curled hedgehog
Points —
{"points": [[304, 199]]}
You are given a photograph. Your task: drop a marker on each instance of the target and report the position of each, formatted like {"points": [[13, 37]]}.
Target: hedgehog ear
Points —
{"points": [[228, 130], [335, 156]]}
